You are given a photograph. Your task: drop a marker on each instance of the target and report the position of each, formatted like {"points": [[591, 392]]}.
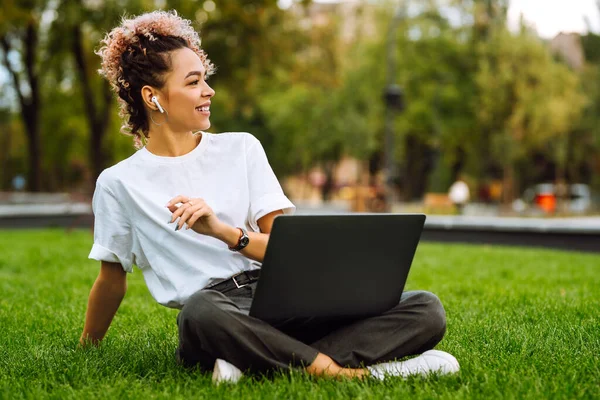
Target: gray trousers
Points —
{"points": [[215, 325]]}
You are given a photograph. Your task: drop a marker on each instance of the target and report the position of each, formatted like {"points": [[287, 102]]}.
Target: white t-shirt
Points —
{"points": [[230, 171]]}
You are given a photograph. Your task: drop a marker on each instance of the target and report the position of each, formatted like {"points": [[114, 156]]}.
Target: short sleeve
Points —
{"points": [[112, 231], [266, 194]]}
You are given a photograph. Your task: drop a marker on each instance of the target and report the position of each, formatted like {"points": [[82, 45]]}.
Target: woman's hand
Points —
{"points": [[196, 214]]}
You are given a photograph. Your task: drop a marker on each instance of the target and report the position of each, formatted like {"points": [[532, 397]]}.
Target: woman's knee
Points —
{"points": [[433, 315]]}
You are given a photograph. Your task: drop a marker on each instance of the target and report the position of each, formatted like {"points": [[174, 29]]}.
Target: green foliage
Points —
{"points": [[436, 70], [328, 105], [591, 47], [522, 323], [479, 100], [250, 43]]}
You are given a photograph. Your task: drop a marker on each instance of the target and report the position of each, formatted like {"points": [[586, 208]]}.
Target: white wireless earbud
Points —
{"points": [[155, 101]]}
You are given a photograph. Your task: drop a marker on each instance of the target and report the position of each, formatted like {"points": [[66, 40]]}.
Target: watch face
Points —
{"points": [[244, 241]]}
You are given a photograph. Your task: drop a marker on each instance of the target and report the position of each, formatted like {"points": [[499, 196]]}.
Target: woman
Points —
{"points": [[194, 210]]}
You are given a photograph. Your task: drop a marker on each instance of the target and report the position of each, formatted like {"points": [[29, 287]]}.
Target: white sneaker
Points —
{"points": [[225, 372], [425, 364]]}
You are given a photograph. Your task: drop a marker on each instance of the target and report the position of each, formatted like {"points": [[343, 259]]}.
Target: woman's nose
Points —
{"points": [[208, 91]]}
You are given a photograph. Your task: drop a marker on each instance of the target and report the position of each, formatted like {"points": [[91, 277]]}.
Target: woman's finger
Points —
{"points": [[189, 209], [183, 214], [178, 211], [177, 199], [174, 207], [196, 215]]}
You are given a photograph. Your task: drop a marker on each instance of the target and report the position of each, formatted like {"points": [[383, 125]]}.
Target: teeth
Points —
{"points": [[205, 108]]}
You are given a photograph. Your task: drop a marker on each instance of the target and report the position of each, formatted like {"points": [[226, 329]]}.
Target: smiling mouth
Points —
{"points": [[203, 109]]}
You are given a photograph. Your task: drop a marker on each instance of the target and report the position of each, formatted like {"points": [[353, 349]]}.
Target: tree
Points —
{"points": [[435, 130], [527, 102], [77, 31], [252, 44], [5, 141], [322, 107], [20, 36], [588, 133]]}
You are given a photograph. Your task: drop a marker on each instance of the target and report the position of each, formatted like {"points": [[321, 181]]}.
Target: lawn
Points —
{"points": [[523, 323]]}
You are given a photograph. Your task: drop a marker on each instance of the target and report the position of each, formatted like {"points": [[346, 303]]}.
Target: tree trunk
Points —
{"points": [[417, 167], [6, 132], [34, 149], [97, 115], [30, 105], [508, 184], [328, 185], [485, 154]]}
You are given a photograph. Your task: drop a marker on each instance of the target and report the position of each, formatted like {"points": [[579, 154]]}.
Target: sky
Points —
{"points": [[551, 17]]}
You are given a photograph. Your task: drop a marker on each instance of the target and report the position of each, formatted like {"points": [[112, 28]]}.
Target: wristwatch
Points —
{"points": [[242, 241]]}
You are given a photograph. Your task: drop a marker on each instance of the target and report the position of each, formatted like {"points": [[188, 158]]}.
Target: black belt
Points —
{"points": [[237, 281]]}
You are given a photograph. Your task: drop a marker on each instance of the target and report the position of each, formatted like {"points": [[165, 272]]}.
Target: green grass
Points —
{"points": [[523, 323]]}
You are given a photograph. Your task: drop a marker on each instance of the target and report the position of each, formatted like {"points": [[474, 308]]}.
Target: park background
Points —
{"points": [[483, 96], [479, 93]]}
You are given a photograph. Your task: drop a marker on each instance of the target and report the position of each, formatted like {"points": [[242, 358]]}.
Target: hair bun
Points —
{"points": [[150, 25]]}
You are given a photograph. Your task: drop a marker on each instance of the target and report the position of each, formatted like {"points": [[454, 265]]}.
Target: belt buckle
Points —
{"points": [[237, 285]]}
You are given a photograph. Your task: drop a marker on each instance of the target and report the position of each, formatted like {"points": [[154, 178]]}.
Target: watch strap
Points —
{"points": [[242, 241]]}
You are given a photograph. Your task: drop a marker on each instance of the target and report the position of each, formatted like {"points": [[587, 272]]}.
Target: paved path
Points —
{"points": [[529, 224], [563, 225], [575, 233], [558, 225]]}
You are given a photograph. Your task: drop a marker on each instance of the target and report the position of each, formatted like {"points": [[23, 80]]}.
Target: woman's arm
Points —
{"points": [[199, 216], [258, 240], [105, 298]]}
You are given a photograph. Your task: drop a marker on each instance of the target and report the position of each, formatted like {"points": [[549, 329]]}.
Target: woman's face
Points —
{"points": [[186, 95]]}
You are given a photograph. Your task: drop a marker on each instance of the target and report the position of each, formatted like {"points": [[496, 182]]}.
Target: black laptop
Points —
{"points": [[335, 266]]}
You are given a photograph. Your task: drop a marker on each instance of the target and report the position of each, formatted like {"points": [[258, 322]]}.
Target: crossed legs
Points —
{"points": [[213, 325]]}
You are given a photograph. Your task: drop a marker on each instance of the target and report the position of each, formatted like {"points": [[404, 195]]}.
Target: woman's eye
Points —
{"points": [[194, 82]]}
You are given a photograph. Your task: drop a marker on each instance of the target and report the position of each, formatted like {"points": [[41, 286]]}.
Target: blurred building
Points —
{"points": [[569, 47], [355, 17]]}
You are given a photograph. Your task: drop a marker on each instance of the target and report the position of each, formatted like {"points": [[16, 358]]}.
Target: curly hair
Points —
{"points": [[136, 54]]}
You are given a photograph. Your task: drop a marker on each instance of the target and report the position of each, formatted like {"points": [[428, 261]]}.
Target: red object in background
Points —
{"points": [[546, 201]]}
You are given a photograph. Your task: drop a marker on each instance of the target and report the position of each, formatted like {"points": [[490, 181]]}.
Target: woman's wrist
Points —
{"points": [[228, 234]]}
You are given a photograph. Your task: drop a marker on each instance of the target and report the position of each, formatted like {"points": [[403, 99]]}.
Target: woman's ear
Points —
{"points": [[147, 93]]}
